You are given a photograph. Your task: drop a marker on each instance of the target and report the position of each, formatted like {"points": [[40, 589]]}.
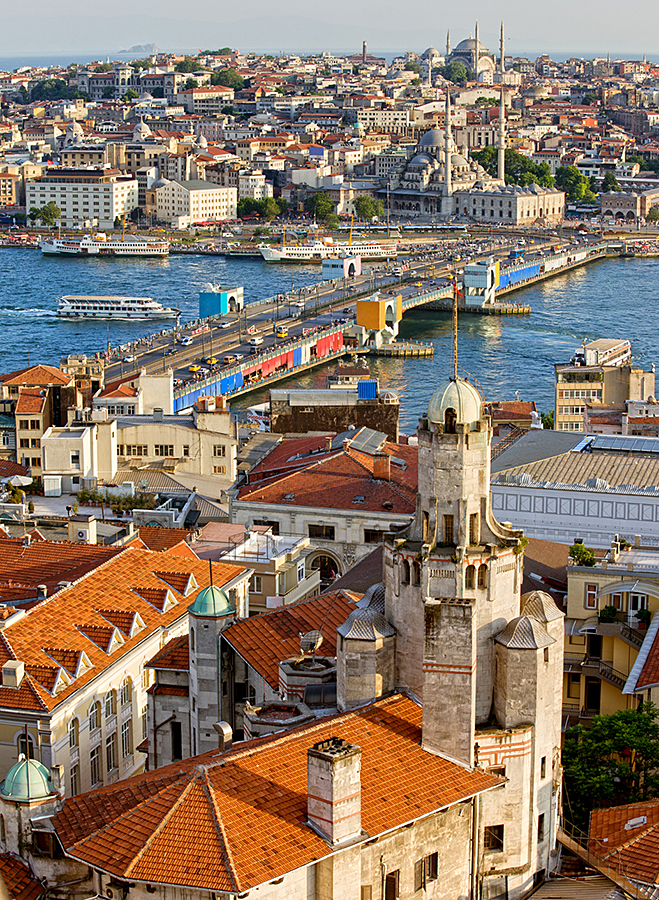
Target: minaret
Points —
{"points": [[448, 42], [476, 58], [447, 201], [501, 172], [503, 54]]}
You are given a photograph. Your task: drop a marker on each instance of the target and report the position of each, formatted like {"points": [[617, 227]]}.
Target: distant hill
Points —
{"points": [[147, 49]]}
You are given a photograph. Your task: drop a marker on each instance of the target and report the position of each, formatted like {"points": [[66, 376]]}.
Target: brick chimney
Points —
{"points": [[334, 793], [382, 466]]}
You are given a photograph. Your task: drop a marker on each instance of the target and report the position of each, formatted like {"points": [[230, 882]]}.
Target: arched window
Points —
{"points": [[110, 703], [126, 691], [73, 733], [192, 640], [416, 573], [26, 749], [95, 716], [406, 572], [474, 528], [470, 577], [2, 829], [450, 419], [482, 576]]}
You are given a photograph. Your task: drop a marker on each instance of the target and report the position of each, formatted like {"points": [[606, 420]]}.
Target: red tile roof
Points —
{"points": [[118, 389], [264, 640], [620, 835], [30, 400], [7, 468], [21, 883], [649, 676], [82, 619], [174, 655], [155, 538], [235, 820], [37, 375]]}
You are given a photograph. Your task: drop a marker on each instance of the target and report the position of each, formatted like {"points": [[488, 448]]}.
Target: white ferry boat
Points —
{"points": [[102, 245], [99, 307], [317, 251]]}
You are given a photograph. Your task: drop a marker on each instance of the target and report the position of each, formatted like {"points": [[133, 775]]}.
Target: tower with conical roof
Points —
{"points": [[502, 58]]}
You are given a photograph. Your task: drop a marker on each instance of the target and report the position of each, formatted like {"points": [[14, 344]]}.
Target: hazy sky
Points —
{"points": [[564, 26]]}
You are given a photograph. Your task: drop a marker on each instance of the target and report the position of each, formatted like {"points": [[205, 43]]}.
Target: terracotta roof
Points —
{"points": [[649, 676], [174, 655], [619, 833], [155, 538], [30, 400], [37, 375], [118, 389], [21, 883], [334, 482], [93, 615], [7, 468], [264, 640], [45, 562], [235, 820]]}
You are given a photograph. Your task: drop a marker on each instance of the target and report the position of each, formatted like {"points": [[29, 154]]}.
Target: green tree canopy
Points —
{"points": [[519, 169], [228, 78], [108, 92], [188, 64], [589, 99], [582, 555], [413, 67], [653, 214], [367, 207], [50, 213], [576, 186], [548, 419], [225, 51], [320, 205], [455, 72], [104, 67], [191, 83], [54, 89], [610, 183], [269, 208], [130, 95], [614, 760]]}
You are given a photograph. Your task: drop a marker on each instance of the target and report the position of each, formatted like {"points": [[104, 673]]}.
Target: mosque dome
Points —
{"points": [[460, 161], [201, 141], [211, 602], [469, 46], [458, 395], [430, 52], [27, 780], [421, 159], [432, 138], [146, 96], [141, 132]]}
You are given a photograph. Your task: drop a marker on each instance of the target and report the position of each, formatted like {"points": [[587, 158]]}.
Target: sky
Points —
{"points": [[562, 27]]}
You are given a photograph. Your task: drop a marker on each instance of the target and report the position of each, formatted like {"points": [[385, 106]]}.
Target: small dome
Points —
{"points": [[27, 780], [432, 138], [421, 159], [524, 633], [458, 395], [141, 132], [201, 141], [366, 625], [211, 602], [457, 160], [431, 51], [540, 606], [207, 288]]}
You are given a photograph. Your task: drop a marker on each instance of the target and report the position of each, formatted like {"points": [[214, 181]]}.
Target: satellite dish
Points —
{"points": [[310, 641], [143, 484]]}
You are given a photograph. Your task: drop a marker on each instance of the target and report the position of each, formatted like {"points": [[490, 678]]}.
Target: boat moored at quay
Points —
{"points": [[317, 251], [113, 307], [102, 245]]}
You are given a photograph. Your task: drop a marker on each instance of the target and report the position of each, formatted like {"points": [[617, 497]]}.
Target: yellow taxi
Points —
{"points": [[194, 368], [418, 284], [211, 361], [282, 332], [230, 359]]}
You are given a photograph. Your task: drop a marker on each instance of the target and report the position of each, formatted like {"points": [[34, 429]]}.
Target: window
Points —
{"points": [[126, 738], [482, 576], [300, 572], [497, 770], [366, 892], [574, 686], [110, 703], [470, 577], [219, 450], [36, 461], [219, 470], [270, 523], [25, 443], [75, 779], [111, 752], [616, 601], [416, 573], [391, 882], [35, 443], [177, 742], [591, 596], [136, 450], [493, 837], [405, 572], [145, 724], [322, 532], [541, 827], [425, 870], [474, 530], [27, 750], [95, 716], [75, 459], [73, 733], [95, 766], [186, 450], [257, 584], [373, 536], [448, 530], [23, 424], [35, 424], [164, 450], [543, 767], [126, 691]]}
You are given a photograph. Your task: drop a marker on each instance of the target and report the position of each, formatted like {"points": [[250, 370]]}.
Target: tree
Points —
{"points": [[33, 214], [54, 89], [227, 110], [191, 83], [158, 92], [455, 72], [582, 555], [413, 67], [228, 78], [225, 51], [548, 420], [187, 64], [614, 760], [50, 213], [610, 183], [589, 99], [653, 214], [519, 169], [576, 186], [108, 92], [130, 95], [320, 205], [104, 67]]}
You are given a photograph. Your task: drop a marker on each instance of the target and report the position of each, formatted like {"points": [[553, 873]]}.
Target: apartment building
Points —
{"points": [[252, 184], [206, 101], [601, 371], [83, 195], [195, 201], [9, 189]]}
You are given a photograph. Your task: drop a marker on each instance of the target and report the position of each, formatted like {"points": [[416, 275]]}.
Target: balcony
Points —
{"points": [[618, 628], [597, 668]]}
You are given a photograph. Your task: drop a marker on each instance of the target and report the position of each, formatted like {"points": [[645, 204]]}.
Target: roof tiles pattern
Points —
{"points": [[36, 375], [174, 655], [195, 823], [620, 835], [21, 883]]}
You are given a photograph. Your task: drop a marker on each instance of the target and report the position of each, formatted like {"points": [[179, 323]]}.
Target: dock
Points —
{"points": [[401, 349]]}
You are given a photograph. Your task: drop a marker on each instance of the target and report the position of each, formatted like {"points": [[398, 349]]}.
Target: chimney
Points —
{"points": [[57, 778], [334, 792], [328, 442], [13, 672], [42, 591], [225, 734], [157, 414], [381, 467], [364, 52], [27, 540]]}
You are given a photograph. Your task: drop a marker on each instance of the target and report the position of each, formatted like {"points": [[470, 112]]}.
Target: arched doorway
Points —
{"points": [[328, 566]]}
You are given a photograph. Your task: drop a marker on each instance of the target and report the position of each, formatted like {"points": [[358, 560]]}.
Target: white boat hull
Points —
{"points": [[87, 246], [315, 253]]}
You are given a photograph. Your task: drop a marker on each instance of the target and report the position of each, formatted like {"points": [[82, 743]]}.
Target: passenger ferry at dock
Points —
{"points": [[112, 307], [102, 245], [317, 251]]}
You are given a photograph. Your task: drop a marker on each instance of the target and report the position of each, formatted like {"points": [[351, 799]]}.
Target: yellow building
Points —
{"points": [[380, 315], [609, 632]]}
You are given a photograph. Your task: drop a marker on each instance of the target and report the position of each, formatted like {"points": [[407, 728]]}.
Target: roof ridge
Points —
{"points": [[219, 827], [278, 609], [626, 845]]}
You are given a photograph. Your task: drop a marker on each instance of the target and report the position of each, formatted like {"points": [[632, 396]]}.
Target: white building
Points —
{"points": [[85, 195], [184, 202], [252, 184]]}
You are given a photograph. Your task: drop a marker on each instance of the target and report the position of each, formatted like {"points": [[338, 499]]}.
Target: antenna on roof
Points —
{"points": [[310, 642], [210, 569]]}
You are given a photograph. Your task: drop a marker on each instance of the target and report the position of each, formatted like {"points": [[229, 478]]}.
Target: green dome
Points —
{"points": [[27, 780], [211, 602], [458, 395]]}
